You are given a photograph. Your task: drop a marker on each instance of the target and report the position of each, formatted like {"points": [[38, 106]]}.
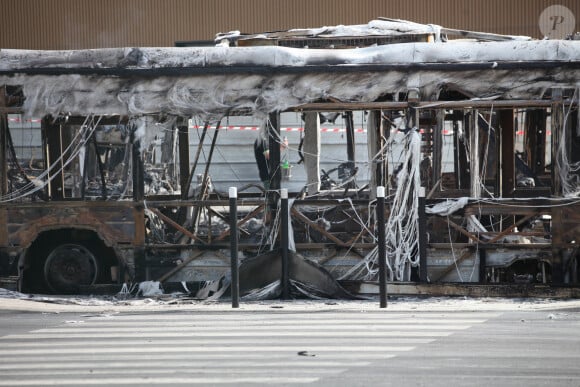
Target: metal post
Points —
{"points": [[422, 236], [3, 151], [235, 286], [474, 156], [375, 142], [184, 178], [284, 243], [274, 147], [350, 144], [382, 244], [482, 266], [138, 170], [508, 169]]}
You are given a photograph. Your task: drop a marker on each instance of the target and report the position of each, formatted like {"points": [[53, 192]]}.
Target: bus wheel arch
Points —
{"points": [[64, 260]]}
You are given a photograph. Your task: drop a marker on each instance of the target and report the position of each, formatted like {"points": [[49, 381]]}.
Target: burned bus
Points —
{"points": [[109, 169]]}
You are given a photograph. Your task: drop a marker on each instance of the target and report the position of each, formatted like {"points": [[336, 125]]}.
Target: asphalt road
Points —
{"points": [[290, 346]]}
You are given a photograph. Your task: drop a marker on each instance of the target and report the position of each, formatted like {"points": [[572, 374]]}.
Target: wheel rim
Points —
{"points": [[68, 267]]}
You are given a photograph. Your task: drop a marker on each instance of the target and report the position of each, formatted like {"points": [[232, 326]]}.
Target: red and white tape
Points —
{"points": [[256, 128]]}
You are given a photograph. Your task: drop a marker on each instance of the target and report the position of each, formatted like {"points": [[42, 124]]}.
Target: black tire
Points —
{"points": [[68, 267]]}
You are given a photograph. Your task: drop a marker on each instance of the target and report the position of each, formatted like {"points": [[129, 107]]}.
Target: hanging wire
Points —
{"points": [[402, 225], [75, 146], [569, 178]]}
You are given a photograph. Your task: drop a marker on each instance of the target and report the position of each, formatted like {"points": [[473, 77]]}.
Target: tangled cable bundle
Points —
{"points": [[568, 170], [402, 228], [402, 236]]}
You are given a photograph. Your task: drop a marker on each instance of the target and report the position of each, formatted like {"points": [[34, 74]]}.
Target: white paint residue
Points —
{"points": [[188, 89]]}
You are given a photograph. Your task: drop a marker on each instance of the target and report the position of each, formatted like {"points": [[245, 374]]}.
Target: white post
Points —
{"points": [[312, 151], [374, 143]]}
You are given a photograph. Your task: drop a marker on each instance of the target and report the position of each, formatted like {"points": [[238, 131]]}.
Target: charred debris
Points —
{"points": [[115, 163]]}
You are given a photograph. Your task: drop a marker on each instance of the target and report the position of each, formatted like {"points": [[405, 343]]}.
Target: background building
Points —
{"points": [[78, 24]]}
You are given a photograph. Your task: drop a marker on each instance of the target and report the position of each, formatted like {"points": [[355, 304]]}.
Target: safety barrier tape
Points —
{"points": [[255, 128]]}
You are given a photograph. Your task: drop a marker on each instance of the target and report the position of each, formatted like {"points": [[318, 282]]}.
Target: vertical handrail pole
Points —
{"points": [[381, 247], [235, 286], [284, 227], [423, 277]]}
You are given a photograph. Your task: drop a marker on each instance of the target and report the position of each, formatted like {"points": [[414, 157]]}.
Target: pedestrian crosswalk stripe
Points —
{"points": [[159, 380], [241, 315], [178, 348], [129, 369], [122, 321], [208, 359], [181, 366], [113, 334], [210, 341], [221, 347], [261, 328]]}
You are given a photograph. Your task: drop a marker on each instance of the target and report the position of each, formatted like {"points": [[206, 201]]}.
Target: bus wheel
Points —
{"points": [[68, 266]]}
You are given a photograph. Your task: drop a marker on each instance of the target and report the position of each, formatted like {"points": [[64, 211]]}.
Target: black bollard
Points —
{"points": [[382, 244], [284, 229], [235, 286], [422, 236]]}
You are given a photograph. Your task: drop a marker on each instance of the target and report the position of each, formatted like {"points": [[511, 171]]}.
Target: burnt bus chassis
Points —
{"points": [[113, 234], [504, 233]]}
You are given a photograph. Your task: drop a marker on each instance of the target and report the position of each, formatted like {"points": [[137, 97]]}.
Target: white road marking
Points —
{"points": [[158, 380], [216, 348], [260, 328], [211, 341], [208, 359], [39, 335], [241, 315], [180, 366], [178, 348]]}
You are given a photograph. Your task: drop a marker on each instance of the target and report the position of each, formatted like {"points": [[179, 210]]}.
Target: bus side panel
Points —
{"points": [[114, 223]]}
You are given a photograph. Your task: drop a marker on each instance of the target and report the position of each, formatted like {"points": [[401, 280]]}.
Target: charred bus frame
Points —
{"points": [[497, 230]]}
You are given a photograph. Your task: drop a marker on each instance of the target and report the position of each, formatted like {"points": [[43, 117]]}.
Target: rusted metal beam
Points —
{"points": [[314, 246], [81, 120], [315, 226], [10, 110], [176, 225], [464, 232], [250, 215], [222, 217], [389, 105], [532, 206], [357, 236], [496, 237], [510, 228]]}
